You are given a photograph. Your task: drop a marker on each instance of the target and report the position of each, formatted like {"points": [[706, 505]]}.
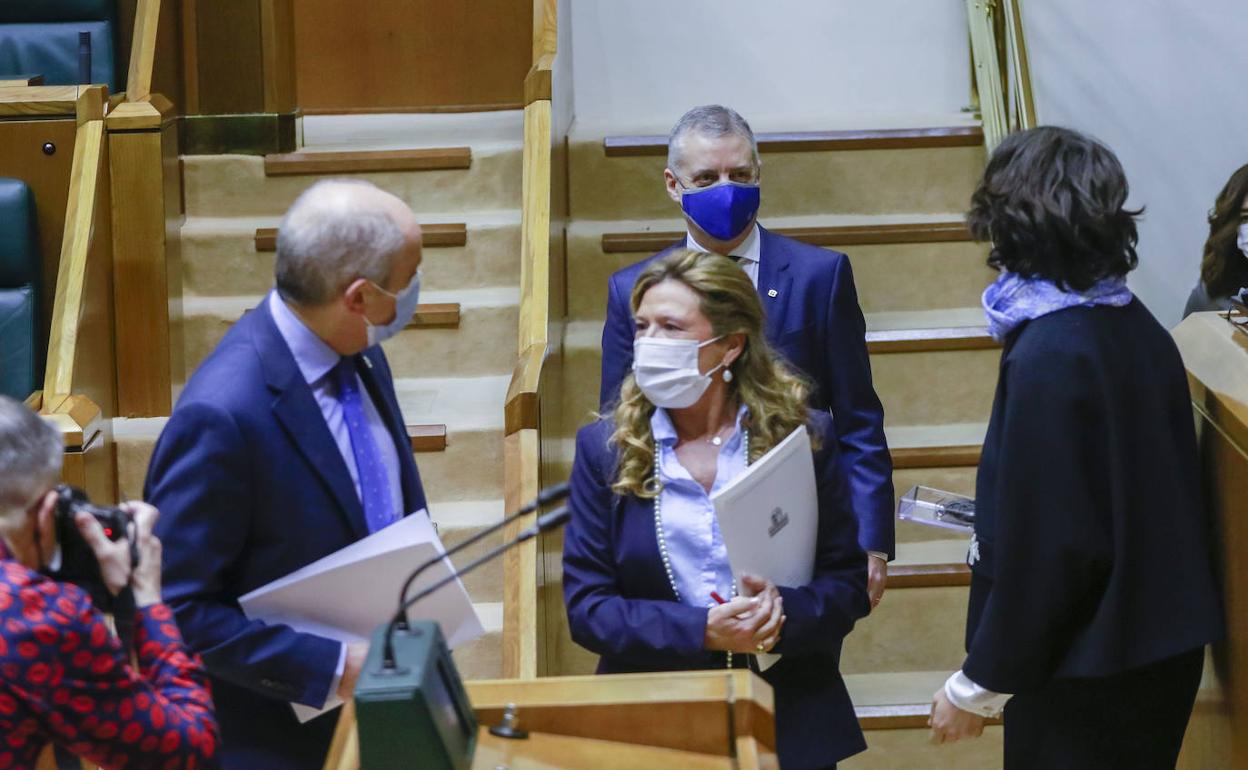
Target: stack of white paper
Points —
{"points": [[769, 517], [347, 594]]}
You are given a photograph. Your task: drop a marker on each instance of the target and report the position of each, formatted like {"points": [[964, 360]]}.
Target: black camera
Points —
{"points": [[78, 562]]}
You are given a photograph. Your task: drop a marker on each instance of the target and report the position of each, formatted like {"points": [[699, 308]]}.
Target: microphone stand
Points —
{"points": [[545, 497], [552, 520], [546, 522]]}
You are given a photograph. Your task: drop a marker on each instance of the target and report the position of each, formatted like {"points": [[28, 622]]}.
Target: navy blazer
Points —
{"points": [[250, 487], [1095, 547], [621, 605], [814, 321]]}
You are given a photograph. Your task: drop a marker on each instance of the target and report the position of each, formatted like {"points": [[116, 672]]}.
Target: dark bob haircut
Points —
{"points": [[1051, 203], [1223, 269]]}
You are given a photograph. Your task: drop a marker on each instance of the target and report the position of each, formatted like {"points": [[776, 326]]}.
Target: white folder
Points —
{"points": [[769, 517], [347, 594]]}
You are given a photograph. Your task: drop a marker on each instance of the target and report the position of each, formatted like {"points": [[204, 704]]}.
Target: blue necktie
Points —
{"points": [[374, 486]]}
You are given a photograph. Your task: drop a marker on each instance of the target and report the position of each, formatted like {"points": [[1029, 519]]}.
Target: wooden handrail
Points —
{"points": [[143, 51], [1002, 73], [76, 247], [522, 435], [537, 83]]}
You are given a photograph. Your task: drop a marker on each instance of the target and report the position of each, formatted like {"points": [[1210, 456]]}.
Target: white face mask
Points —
{"points": [[667, 371], [1242, 240]]}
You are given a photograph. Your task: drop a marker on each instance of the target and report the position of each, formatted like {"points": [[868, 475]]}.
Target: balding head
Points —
{"points": [[337, 231]]}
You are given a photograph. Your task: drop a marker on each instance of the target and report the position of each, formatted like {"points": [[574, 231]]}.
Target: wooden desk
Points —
{"points": [[695, 720], [1216, 357]]}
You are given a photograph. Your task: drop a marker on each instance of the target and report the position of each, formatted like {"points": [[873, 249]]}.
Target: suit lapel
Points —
{"points": [[296, 410], [774, 282]]}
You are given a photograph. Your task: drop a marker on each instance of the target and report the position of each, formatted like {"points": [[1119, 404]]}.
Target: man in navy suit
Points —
{"points": [[808, 293], [287, 445]]}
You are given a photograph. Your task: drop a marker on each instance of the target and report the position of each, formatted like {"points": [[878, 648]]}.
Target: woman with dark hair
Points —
{"points": [[1224, 267], [1092, 591], [644, 564]]}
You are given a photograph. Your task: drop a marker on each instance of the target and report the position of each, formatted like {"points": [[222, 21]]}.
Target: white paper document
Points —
{"points": [[347, 594], [769, 517]]}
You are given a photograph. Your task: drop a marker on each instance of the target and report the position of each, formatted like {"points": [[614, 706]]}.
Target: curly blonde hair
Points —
{"points": [[774, 395]]}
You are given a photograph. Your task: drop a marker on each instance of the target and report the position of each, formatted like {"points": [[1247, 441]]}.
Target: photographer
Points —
{"points": [[64, 678]]}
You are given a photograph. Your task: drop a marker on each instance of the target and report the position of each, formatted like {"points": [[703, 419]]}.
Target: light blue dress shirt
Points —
{"points": [[315, 360], [695, 548]]}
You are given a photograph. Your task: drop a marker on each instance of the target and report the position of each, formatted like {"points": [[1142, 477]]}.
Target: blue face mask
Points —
{"points": [[405, 303], [724, 210]]}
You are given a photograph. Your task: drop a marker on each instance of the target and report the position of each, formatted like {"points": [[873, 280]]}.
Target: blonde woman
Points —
{"points": [[645, 566]]}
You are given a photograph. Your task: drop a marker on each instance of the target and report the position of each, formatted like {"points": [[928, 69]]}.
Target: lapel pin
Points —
{"points": [[367, 361], [772, 292]]}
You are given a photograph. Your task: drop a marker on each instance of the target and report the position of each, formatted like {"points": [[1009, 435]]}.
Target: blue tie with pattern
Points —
{"points": [[374, 486]]}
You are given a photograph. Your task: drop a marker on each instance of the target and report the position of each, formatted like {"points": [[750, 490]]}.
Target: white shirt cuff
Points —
{"points": [[878, 554], [968, 696], [333, 683]]}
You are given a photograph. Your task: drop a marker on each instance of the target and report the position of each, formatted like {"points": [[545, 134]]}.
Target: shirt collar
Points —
{"points": [[664, 431], [748, 250], [312, 355]]}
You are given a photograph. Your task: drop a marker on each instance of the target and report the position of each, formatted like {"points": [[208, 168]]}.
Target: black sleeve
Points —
{"points": [[1051, 551]]}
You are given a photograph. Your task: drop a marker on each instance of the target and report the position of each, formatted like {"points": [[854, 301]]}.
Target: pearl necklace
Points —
{"points": [[658, 524]]}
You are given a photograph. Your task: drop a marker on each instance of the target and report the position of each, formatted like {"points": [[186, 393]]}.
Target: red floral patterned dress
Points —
{"points": [[65, 678]]}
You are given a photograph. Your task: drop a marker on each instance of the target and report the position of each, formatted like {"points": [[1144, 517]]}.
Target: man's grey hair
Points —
{"points": [[710, 120], [333, 234], [30, 460]]}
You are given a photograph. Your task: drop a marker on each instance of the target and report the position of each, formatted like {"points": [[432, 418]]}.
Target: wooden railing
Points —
{"points": [[1002, 74], [535, 379], [79, 386]]}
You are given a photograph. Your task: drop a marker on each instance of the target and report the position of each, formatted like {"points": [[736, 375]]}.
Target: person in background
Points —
{"points": [[1093, 592], [644, 563], [1224, 267], [813, 320], [64, 678], [287, 445]]}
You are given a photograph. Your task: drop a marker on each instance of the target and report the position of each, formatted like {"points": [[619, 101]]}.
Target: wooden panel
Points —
{"points": [[277, 48], [433, 236], [521, 458], [436, 315], [229, 63], [921, 340], [937, 456], [414, 55], [140, 281], [38, 101], [9, 82], [813, 141], [928, 575], [48, 177], [544, 751], [427, 438], [293, 163], [848, 235]]}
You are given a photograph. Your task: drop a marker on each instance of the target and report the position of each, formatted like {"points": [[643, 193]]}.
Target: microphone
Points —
{"points": [[544, 523], [544, 498], [84, 58]]}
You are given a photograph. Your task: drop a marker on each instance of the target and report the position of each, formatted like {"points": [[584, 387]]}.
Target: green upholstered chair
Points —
{"points": [[21, 355], [40, 37]]}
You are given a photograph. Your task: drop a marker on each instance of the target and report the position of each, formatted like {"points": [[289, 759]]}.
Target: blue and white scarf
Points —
{"points": [[1012, 299]]}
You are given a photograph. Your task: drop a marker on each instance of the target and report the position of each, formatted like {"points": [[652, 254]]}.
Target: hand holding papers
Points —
{"points": [[345, 595], [769, 517]]}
